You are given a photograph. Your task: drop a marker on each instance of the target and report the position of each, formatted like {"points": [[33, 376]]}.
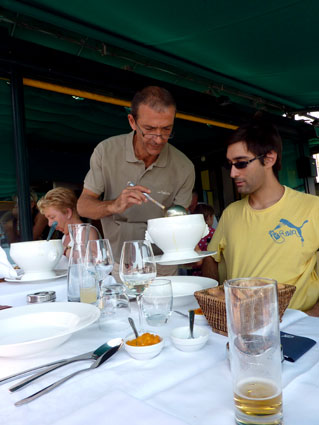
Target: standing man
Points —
{"points": [[272, 232], [144, 157]]}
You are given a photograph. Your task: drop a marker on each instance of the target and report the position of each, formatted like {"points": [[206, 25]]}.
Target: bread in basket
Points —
{"points": [[212, 303]]}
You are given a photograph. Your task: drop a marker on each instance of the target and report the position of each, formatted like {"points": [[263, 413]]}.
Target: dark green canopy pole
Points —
{"points": [[21, 155]]}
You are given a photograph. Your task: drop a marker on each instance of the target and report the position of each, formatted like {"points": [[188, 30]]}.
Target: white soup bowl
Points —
{"points": [[37, 258], [177, 236]]}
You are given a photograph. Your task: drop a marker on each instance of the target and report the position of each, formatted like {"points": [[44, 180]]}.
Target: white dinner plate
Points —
{"points": [[172, 260], [58, 275], [34, 328], [185, 286]]}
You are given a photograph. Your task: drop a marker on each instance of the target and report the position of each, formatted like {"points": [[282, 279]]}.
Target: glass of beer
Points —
{"points": [[254, 346]]}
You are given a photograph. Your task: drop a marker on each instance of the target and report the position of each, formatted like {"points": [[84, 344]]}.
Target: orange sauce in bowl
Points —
{"points": [[144, 340]]}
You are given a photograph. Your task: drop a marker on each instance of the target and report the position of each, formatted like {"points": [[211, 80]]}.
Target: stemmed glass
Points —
{"points": [[137, 269], [99, 262]]}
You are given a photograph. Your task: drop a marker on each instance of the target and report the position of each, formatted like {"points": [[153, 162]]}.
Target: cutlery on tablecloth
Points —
{"points": [[100, 360], [91, 355], [95, 355]]}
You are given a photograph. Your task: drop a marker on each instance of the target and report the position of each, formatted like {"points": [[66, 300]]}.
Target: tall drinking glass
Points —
{"points": [[137, 268], [254, 345], [99, 264]]}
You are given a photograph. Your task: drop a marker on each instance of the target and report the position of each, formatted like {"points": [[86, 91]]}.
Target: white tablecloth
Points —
{"points": [[174, 388]]}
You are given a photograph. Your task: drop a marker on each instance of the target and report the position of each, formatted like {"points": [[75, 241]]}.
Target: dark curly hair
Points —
{"points": [[261, 137]]}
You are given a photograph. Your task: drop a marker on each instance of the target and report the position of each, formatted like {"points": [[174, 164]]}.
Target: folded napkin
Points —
{"points": [[6, 269]]}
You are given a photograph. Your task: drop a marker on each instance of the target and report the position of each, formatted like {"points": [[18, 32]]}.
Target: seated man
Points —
{"points": [[273, 232]]}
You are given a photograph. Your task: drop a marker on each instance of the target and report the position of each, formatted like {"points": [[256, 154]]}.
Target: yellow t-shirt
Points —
{"points": [[278, 242]]}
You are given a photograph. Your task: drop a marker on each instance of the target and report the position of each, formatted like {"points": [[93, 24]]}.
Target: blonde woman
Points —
{"points": [[59, 205]]}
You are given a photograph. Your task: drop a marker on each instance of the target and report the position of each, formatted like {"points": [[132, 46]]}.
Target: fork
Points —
{"points": [[100, 360], [91, 355]]}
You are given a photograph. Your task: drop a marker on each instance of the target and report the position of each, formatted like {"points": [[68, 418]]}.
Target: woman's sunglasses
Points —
{"points": [[241, 164]]}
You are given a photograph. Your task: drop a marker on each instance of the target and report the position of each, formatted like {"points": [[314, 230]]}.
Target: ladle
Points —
{"points": [[172, 211], [52, 229]]}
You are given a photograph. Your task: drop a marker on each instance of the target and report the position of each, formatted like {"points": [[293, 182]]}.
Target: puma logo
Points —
{"points": [[279, 233]]}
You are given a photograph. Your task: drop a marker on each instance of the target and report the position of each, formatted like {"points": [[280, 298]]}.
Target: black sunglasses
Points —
{"points": [[241, 164]]}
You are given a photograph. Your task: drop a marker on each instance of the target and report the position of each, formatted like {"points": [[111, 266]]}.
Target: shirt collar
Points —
{"points": [[130, 154], [129, 149]]}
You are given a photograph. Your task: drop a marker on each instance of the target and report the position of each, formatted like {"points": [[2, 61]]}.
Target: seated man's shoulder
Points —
{"points": [[306, 199], [236, 206]]}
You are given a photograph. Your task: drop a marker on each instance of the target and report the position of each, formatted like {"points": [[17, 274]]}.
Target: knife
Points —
{"points": [[88, 356], [57, 363], [100, 360]]}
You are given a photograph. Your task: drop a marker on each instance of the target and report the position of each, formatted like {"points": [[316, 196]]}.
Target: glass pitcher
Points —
{"points": [[80, 234]]}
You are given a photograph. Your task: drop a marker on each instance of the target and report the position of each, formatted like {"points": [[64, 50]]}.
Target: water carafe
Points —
{"points": [[80, 234]]}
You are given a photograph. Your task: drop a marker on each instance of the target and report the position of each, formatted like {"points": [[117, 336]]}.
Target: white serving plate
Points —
{"points": [[35, 328], [58, 275], [172, 259], [185, 286]]}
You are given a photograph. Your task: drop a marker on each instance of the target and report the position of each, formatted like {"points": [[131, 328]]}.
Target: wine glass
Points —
{"points": [[99, 262], [137, 269]]}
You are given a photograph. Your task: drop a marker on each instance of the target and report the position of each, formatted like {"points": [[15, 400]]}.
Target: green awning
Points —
{"points": [[264, 49]]}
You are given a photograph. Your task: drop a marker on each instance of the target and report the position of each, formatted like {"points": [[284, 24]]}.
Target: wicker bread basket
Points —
{"points": [[212, 303]]}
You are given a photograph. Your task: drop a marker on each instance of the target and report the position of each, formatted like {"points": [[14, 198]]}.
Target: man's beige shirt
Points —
{"points": [[113, 163]]}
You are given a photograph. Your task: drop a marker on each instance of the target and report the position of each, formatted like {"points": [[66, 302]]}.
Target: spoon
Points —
{"points": [[92, 355], [191, 324], [131, 321], [179, 312], [98, 362], [172, 211], [52, 229]]}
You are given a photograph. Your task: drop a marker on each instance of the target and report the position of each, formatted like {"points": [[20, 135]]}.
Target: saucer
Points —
{"points": [[173, 258], [58, 275]]}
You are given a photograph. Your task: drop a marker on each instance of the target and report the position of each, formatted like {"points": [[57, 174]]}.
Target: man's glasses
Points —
{"points": [[166, 134], [241, 164]]}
